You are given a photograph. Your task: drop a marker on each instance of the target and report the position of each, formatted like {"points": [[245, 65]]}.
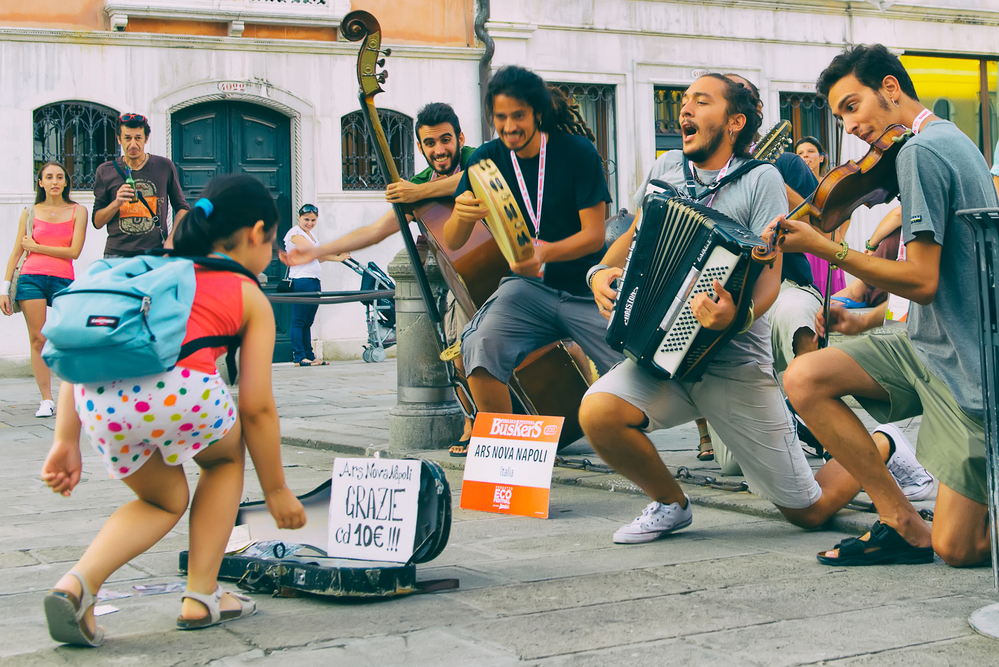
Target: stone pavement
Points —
{"points": [[736, 588]]}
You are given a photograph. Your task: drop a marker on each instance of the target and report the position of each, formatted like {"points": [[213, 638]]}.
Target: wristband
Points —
{"points": [[841, 255], [592, 272], [277, 490], [749, 317], [6, 287], [870, 247]]}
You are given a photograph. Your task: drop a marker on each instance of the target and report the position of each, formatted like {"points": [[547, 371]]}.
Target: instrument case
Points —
{"points": [[278, 564]]}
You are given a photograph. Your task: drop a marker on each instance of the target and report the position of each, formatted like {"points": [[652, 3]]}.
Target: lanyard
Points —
{"points": [[434, 176], [918, 123], [714, 184], [535, 219]]}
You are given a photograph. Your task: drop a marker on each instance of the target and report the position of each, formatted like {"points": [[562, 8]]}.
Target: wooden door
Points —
{"points": [[241, 138]]}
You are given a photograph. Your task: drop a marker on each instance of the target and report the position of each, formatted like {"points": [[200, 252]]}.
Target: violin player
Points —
{"points": [[934, 368]]}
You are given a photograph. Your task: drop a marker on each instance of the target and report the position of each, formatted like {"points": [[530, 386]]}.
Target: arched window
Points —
{"points": [[78, 134], [360, 165]]}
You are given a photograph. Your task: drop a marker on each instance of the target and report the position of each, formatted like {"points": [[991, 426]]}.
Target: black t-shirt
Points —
{"points": [[574, 180], [799, 177]]}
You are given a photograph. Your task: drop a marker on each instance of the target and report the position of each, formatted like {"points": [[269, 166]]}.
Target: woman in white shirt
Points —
{"points": [[305, 278]]}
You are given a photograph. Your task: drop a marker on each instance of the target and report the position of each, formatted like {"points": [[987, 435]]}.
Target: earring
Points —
{"points": [[731, 135], [895, 102]]}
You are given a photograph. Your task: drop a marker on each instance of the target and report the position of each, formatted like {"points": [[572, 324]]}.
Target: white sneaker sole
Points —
{"points": [[641, 538]]}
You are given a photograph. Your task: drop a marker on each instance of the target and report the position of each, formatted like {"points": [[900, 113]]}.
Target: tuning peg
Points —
{"points": [[386, 52], [380, 62], [381, 76]]}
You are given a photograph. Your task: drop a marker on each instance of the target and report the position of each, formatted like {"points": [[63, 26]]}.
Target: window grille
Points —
{"points": [[596, 104], [810, 117], [360, 164], [80, 135], [668, 103]]}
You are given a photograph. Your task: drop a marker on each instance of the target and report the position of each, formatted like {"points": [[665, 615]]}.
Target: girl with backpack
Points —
{"points": [[51, 233], [145, 428]]}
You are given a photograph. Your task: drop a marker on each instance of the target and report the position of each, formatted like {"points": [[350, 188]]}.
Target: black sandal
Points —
{"points": [[459, 449], [884, 547]]}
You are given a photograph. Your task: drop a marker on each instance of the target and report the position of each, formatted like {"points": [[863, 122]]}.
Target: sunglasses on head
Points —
{"points": [[308, 208], [132, 117]]}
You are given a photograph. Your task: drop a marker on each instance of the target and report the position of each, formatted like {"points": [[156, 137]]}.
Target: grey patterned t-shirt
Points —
{"points": [[754, 200]]}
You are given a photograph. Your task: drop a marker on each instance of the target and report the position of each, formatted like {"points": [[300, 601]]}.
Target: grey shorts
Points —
{"points": [[744, 405], [524, 315], [455, 320], [794, 309], [951, 443]]}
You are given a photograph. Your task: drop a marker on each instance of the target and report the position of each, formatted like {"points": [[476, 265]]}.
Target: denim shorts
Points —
{"points": [[37, 286]]}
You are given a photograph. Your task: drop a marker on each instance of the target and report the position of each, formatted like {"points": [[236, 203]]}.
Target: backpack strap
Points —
{"points": [[217, 263], [231, 343]]}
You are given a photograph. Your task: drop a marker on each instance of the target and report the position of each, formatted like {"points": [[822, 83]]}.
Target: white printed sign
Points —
{"points": [[373, 509], [509, 464]]}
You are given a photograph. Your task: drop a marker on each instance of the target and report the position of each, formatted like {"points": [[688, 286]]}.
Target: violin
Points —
{"points": [[870, 181]]}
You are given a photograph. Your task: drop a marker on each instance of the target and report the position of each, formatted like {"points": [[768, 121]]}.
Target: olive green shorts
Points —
{"points": [[951, 444]]}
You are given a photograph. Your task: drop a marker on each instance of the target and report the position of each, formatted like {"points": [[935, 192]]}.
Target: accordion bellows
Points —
{"points": [[678, 250]]}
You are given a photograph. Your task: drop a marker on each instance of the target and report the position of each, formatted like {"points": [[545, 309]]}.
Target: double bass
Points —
{"points": [[548, 382]]}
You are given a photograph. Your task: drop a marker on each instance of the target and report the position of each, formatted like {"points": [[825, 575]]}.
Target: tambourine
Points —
{"points": [[504, 221]]}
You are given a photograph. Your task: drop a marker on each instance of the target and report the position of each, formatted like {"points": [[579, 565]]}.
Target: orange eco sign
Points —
{"points": [[509, 464]]}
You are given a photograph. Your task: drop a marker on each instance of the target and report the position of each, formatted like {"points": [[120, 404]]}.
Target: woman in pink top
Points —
{"points": [[58, 230]]}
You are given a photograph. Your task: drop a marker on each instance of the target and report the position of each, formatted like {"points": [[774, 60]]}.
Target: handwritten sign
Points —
{"points": [[509, 464], [373, 508]]}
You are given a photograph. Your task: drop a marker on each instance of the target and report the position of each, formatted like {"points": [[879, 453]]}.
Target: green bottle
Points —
{"points": [[130, 182]]}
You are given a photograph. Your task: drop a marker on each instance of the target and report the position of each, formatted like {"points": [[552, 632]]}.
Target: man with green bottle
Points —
{"points": [[131, 193]]}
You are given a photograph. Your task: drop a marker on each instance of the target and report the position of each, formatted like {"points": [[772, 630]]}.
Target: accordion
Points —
{"points": [[680, 248]]}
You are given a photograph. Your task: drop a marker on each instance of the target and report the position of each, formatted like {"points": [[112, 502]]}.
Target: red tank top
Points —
{"points": [[217, 311]]}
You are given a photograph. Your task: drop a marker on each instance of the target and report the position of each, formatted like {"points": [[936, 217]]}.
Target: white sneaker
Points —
{"points": [[916, 483], [657, 520], [45, 409]]}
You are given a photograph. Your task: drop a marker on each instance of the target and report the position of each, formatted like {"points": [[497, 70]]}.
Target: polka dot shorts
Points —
{"points": [[180, 412]]}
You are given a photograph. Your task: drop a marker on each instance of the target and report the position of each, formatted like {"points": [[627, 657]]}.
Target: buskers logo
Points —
{"points": [[502, 496], [103, 321], [516, 428]]}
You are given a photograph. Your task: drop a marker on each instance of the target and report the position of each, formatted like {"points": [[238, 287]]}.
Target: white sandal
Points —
{"points": [[64, 615], [247, 607]]}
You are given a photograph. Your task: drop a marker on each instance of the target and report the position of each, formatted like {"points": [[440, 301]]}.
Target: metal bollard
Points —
{"points": [[427, 415]]}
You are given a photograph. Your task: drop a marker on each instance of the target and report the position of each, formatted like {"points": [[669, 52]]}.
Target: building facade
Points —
{"points": [[267, 87]]}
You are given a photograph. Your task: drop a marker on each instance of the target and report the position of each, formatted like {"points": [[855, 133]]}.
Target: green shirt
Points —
{"points": [[425, 175]]}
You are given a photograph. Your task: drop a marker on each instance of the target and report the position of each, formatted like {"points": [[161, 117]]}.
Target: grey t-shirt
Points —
{"points": [[754, 200], [940, 172]]}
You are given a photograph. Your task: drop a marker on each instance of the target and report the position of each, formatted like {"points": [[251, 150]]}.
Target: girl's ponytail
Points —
{"points": [[227, 204], [193, 235]]}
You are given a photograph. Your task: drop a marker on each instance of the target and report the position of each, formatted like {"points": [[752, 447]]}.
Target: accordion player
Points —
{"points": [[679, 249]]}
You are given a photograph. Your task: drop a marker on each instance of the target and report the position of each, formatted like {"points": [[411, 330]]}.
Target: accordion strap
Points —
{"points": [[743, 168]]}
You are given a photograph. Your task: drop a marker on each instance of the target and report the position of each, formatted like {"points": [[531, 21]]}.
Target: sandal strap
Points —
{"points": [[882, 537], [86, 597], [211, 602]]}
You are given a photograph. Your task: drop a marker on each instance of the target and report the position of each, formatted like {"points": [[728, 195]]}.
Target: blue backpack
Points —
{"points": [[126, 318]]}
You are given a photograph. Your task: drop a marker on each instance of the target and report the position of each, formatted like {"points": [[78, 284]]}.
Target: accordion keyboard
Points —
{"points": [[681, 328]]}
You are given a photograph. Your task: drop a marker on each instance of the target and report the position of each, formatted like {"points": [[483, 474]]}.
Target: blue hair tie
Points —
{"points": [[205, 205]]}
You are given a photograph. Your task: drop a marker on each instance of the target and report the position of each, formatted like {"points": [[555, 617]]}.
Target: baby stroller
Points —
{"points": [[380, 313]]}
